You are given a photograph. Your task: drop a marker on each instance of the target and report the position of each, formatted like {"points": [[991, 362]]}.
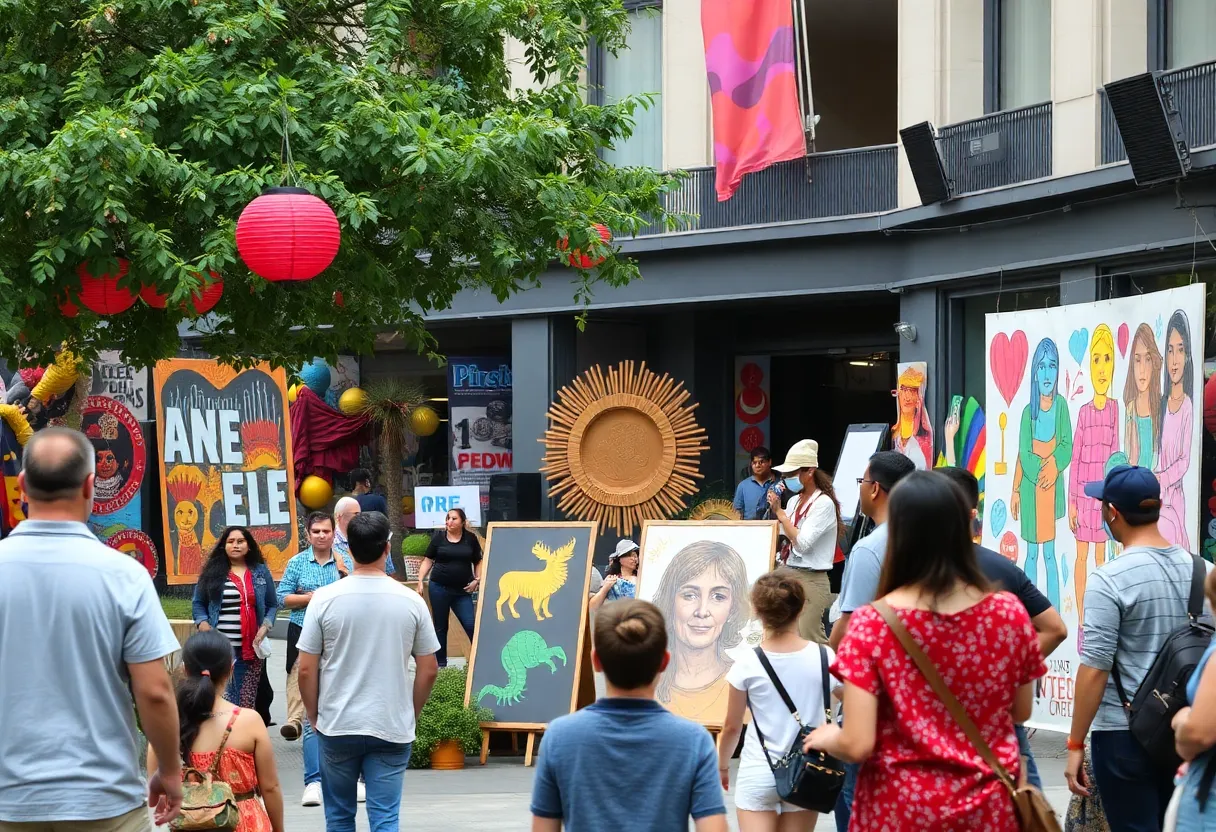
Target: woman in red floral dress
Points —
{"points": [[919, 771]]}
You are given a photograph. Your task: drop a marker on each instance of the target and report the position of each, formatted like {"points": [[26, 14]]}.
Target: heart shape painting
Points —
{"points": [[1007, 360], [1123, 338], [1077, 344]]}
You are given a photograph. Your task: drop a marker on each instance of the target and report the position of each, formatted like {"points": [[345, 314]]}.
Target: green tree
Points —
{"points": [[141, 128]]}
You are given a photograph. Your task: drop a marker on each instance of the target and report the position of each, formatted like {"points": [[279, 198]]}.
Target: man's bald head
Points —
{"points": [[56, 465], [345, 509]]}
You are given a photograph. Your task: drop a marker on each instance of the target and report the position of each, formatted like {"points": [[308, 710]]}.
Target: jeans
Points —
{"points": [[1032, 769], [1134, 791], [844, 802], [444, 600], [382, 765], [312, 755]]}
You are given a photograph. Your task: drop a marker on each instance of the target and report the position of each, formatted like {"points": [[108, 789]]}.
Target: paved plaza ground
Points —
{"points": [[495, 798]]}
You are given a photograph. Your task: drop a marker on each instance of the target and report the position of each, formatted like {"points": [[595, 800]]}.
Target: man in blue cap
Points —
{"points": [[1132, 604]]}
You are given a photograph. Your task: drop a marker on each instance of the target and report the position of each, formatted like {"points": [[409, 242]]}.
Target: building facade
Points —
{"points": [[813, 263]]}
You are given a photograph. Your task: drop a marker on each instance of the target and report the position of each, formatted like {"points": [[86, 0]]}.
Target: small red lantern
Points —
{"points": [[583, 261], [339, 300], [69, 309], [288, 234], [102, 294], [203, 301], [153, 298]]}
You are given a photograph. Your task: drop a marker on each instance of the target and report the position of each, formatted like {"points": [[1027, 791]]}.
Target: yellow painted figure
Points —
{"points": [[185, 484], [538, 587], [1095, 439]]}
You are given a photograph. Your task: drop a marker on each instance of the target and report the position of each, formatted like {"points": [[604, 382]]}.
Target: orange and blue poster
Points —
{"points": [[1077, 390], [225, 454]]}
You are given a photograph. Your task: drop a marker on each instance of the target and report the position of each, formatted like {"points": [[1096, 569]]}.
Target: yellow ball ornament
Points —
{"points": [[292, 392], [424, 421], [315, 492], [407, 504], [352, 401]]}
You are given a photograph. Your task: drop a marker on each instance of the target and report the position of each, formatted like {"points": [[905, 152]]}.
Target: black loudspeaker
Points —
{"points": [[1151, 128], [514, 498], [920, 146]]}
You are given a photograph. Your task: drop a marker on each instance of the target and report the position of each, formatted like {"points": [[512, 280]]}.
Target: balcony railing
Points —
{"points": [[998, 149], [1193, 90], [835, 184]]}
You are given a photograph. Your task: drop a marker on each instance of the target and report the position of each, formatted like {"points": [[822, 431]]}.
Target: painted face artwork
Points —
{"points": [[107, 464], [1175, 356], [702, 606], [185, 515], [1101, 366], [1048, 372], [1142, 364]]}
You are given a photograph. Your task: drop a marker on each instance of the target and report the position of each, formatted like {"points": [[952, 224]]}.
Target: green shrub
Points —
{"points": [[444, 717], [414, 545]]}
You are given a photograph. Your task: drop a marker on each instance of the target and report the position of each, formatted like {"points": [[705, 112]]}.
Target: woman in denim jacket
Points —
{"points": [[235, 595]]}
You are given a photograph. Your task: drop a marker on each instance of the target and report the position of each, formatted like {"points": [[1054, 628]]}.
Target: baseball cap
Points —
{"points": [[623, 547], [1128, 488]]}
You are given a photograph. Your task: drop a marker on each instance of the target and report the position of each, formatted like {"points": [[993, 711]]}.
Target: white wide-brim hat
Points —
{"points": [[804, 454]]}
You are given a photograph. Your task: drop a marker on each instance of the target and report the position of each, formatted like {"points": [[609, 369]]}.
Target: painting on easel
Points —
{"points": [[527, 653], [700, 574]]}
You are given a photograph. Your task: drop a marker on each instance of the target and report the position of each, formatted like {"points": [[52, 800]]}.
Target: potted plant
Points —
{"points": [[412, 550], [447, 731]]}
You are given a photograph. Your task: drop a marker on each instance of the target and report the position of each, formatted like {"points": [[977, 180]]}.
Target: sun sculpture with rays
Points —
{"points": [[622, 447]]}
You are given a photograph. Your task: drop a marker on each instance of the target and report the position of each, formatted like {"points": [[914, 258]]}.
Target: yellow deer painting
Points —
{"points": [[535, 586]]}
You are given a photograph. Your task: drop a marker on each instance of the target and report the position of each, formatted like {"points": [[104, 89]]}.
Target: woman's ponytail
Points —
{"points": [[206, 664]]}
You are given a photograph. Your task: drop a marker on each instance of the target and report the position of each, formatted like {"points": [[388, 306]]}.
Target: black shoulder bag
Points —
{"points": [[811, 781]]}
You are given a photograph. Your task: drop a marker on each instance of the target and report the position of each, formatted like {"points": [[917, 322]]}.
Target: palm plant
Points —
{"points": [[388, 408]]}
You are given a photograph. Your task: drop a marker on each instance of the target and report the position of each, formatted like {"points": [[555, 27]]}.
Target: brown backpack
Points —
{"points": [[208, 803], [1031, 807]]}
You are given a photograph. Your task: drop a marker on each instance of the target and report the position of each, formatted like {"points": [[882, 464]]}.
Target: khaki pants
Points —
{"points": [[136, 820], [295, 702], [818, 599]]}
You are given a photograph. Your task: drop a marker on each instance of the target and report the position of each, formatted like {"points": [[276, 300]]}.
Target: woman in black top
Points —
{"points": [[453, 563]]}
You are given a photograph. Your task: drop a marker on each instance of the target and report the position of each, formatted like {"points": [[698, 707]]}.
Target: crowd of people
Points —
{"points": [[917, 588]]}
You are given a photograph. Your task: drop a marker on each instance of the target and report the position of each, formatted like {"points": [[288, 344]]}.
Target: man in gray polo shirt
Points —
{"points": [[79, 622], [1132, 604]]}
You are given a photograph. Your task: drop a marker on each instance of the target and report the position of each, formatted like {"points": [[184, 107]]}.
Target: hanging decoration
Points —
{"points": [[288, 234], [352, 400], [424, 421], [67, 308], [316, 376], [315, 492], [579, 260], [622, 447], [102, 294], [325, 443], [202, 301], [292, 391]]}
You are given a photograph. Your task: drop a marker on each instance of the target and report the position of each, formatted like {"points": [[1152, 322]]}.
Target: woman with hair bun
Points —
{"points": [[777, 599], [211, 725]]}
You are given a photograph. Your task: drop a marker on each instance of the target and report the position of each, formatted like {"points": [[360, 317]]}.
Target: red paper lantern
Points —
{"points": [[203, 301], [288, 234], [102, 294], [69, 309], [583, 261]]}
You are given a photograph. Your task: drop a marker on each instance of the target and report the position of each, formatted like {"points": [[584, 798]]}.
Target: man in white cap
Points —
{"points": [[620, 581], [811, 524]]}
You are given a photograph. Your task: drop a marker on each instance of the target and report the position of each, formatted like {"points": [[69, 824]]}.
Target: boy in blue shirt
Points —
{"points": [[664, 768]]}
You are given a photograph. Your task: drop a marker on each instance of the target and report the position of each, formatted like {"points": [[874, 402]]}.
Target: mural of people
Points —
{"points": [[112, 446], [1096, 438], [703, 596], [912, 434], [1044, 451], [1142, 399], [1176, 426]]}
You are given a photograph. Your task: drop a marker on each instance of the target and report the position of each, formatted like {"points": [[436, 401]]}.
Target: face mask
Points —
{"points": [[1106, 528], [793, 485]]}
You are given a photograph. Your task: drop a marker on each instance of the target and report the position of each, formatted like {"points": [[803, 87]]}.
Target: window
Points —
{"points": [[1190, 32], [1018, 60], [635, 70]]}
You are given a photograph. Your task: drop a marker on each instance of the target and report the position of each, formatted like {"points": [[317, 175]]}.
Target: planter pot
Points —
{"points": [[412, 564], [447, 756]]}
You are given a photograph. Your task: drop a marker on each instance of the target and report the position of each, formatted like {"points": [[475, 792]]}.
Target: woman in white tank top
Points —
{"points": [[778, 599]]}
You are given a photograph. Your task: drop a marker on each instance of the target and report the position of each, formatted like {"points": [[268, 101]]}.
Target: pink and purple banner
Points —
{"points": [[749, 57]]}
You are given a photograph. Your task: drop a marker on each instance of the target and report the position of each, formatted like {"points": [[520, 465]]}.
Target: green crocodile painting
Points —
{"points": [[522, 652]]}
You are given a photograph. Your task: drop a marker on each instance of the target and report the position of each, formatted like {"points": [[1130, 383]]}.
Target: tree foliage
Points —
{"points": [[141, 128]]}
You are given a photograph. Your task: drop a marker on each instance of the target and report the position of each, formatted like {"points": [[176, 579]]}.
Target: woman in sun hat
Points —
{"points": [[620, 581], [811, 523]]}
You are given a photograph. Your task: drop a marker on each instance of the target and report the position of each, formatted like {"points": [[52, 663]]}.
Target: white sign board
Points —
{"points": [[433, 502]]}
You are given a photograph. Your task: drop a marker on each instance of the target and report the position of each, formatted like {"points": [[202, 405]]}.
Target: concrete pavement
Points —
{"points": [[495, 798]]}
